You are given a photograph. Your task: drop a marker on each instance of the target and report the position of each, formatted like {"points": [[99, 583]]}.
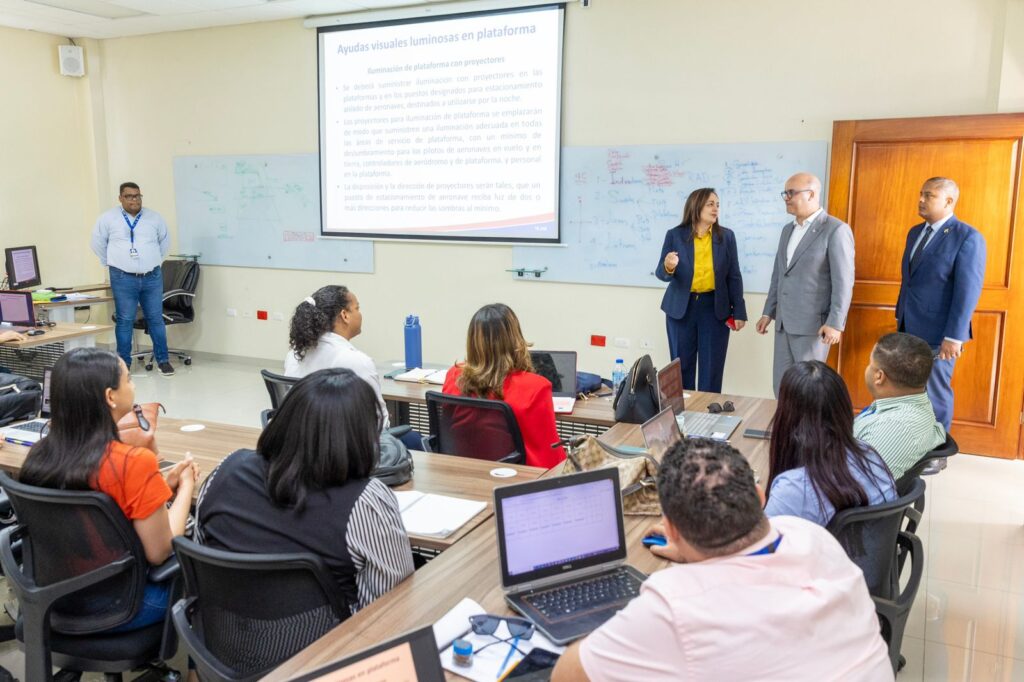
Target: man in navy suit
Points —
{"points": [[943, 271]]}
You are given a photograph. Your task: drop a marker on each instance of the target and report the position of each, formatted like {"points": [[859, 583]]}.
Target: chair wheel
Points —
{"points": [[149, 367], [188, 361]]}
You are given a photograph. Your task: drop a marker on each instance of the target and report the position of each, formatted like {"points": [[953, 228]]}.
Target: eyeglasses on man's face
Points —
{"points": [[790, 193], [132, 197]]}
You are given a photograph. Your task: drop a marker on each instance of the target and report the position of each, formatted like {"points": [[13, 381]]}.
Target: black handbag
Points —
{"points": [[395, 464], [636, 401], [20, 398]]}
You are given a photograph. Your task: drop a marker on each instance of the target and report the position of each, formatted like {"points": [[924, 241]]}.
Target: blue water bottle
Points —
{"points": [[413, 342]]}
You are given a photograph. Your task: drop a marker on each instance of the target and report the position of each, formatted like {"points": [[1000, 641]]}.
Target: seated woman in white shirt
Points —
{"points": [[320, 337]]}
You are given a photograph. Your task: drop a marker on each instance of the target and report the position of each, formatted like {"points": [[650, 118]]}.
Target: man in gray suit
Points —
{"points": [[812, 281]]}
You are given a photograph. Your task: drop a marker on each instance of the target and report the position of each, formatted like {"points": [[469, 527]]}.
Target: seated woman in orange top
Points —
{"points": [[90, 391], [498, 366]]}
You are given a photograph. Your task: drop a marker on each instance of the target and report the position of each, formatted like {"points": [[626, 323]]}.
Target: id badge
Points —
{"points": [[133, 252]]}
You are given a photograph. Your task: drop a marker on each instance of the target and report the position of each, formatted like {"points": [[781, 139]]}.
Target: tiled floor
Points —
{"points": [[968, 619]]}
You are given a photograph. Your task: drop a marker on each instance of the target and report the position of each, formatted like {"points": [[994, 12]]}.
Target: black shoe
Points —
{"points": [[166, 369]]}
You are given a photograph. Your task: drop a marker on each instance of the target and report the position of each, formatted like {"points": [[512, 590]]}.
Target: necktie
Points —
{"points": [[920, 247]]}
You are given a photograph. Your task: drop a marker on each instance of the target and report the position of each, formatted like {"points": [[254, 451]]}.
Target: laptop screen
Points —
{"points": [[412, 657], [670, 387], [46, 393], [553, 526], [558, 367], [661, 432], [16, 308]]}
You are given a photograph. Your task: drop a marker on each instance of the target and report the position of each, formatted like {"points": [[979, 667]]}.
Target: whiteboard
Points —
{"points": [[261, 212], [618, 202]]}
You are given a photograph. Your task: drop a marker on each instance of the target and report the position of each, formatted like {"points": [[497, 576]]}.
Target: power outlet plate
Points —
{"points": [[621, 342]]}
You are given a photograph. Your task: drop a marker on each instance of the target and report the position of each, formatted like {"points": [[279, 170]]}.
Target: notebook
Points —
{"points": [[558, 367], [661, 432], [423, 376], [562, 552], [435, 515], [411, 657], [30, 432]]}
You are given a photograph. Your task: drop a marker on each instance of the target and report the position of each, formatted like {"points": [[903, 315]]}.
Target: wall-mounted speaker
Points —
{"points": [[72, 61]]}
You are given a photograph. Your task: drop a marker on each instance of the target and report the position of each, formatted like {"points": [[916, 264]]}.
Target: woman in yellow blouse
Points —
{"points": [[704, 298]]}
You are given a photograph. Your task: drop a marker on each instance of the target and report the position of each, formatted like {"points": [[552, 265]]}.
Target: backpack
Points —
{"points": [[636, 401], [20, 398]]}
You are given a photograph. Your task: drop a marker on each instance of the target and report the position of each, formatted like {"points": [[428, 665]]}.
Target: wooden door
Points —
{"points": [[878, 168]]}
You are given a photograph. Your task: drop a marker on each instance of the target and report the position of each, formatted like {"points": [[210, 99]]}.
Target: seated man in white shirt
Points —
{"points": [[320, 337], [751, 597]]}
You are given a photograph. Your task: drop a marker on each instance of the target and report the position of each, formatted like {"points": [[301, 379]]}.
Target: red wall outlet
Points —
{"points": [[261, 314], [597, 340]]}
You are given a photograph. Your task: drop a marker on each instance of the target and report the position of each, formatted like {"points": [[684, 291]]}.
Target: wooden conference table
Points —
{"points": [[438, 474], [470, 568]]}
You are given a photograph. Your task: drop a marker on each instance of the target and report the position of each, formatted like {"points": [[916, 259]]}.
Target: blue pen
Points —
{"points": [[508, 657]]}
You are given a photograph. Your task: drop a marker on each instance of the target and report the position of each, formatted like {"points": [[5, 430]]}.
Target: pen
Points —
{"points": [[508, 656]]}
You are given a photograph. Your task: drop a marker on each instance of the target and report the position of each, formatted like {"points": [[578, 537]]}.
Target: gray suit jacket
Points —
{"points": [[817, 286]]}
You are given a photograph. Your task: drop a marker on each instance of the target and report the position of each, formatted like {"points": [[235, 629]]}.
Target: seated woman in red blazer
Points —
{"points": [[498, 367]]}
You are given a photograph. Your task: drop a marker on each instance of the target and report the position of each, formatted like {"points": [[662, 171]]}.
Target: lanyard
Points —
{"points": [[768, 549], [131, 224]]}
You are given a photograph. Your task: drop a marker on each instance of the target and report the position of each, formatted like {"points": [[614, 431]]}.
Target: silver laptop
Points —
{"points": [[661, 432], [558, 367], [28, 433], [562, 552]]}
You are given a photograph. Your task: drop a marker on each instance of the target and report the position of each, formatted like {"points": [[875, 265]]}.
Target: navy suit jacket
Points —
{"points": [[728, 278], [938, 297]]}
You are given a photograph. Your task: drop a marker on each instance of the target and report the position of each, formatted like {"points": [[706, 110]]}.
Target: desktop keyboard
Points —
{"points": [[35, 427], [616, 587]]}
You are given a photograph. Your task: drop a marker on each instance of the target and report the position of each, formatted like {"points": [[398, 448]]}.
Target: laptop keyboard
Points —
{"points": [[35, 427], [605, 590], [700, 424]]}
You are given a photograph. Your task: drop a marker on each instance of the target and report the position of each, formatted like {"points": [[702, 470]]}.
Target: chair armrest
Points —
{"points": [[177, 292], [513, 458], [6, 510], [207, 666], [911, 546], [166, 571], [429, 443], [399, 431]]}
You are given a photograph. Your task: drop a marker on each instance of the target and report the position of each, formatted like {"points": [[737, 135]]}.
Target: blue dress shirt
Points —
{"points": [[112, 243]]}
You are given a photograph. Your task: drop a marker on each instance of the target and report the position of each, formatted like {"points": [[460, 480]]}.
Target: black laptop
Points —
{"points": [[562, 550], [411, 657]]}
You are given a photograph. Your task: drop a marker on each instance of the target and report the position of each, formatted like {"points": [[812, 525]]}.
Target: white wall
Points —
{"points": [[635, 72]]}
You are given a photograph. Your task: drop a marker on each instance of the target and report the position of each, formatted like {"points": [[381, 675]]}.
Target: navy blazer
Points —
{"points": [[728, 278], [937, 298]]}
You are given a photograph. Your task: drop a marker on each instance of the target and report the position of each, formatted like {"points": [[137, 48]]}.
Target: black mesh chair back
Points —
{"points": [[66, 534], [243, 614], [277, 386], [944, 451], [868, 534], [474, 427], [77, 569]]}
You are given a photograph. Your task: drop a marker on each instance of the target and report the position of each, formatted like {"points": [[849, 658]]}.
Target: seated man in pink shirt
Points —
{"points": [[751, 598]]}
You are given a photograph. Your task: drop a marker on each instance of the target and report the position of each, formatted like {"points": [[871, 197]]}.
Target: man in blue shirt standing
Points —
{"points": [[132, 243]]}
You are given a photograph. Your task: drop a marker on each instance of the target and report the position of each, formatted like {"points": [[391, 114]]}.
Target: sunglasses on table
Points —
{"points": [[487, 624], [727, 406]]}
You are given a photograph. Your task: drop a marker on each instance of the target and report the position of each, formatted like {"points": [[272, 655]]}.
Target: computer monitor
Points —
{"points": [[22, 267], [16, 308]]}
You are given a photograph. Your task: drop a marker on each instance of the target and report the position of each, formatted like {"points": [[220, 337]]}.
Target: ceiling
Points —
{"points": [[116, 18]]}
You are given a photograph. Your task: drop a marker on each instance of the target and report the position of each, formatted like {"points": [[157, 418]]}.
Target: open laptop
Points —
{"points": [[558, 367], [562, 552], [16, 311], [411, 657], [693, 424], [661, 432], [28, 433]]}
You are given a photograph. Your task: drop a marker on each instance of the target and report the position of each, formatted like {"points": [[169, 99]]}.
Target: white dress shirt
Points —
{"points": [[333, 350], [799, 230]]}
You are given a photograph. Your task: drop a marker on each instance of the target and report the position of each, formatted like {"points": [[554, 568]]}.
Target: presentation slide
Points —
{"points": [[446, 128]]}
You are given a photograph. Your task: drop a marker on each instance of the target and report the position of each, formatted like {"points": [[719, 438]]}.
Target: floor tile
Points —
{"points": [[974, 618], [945, 662]]}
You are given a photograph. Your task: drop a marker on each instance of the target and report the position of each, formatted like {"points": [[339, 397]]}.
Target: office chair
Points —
{"points": [[473, 427], [81, 571], [181, 278], [244, 614], [941, 453], [874, 539]]}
